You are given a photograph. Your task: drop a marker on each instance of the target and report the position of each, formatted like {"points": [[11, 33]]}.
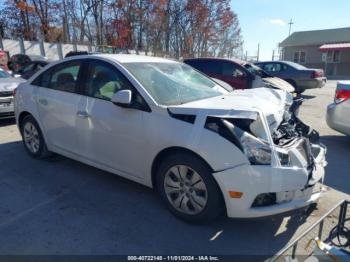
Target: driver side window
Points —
{"points": [[104, 81], [230, 70]]}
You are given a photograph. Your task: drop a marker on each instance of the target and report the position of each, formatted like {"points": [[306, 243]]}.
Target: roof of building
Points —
{"points": [[317, 37]]}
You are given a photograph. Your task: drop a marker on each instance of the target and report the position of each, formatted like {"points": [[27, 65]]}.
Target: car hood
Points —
{"points": [[9, 84], [273, 104], [279, 83]]}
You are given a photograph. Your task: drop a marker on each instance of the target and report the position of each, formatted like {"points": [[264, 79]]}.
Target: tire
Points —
{"points": [[33, 139], [297, 89], [195, 196]]}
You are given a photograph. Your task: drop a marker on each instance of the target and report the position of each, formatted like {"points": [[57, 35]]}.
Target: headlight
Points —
{"points": [[257, 151]]}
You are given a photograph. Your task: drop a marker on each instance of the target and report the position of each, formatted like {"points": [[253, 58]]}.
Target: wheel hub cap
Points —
{"points": [[185, 189], [31, 137]]}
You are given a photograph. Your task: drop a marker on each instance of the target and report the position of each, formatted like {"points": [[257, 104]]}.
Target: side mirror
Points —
{"points": [[122, 98]]}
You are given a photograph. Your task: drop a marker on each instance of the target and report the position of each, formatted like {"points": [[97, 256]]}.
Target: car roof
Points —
{"points": [[263, 62], [235, 60], [125, 58]]}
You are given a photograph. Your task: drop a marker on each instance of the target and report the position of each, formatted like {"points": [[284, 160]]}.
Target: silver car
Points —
{"points": [[7, 86], [299, 76], [338, 112]]}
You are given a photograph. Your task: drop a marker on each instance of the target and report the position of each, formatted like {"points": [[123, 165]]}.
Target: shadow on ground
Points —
{"points": [[7, 121], [338, 158], [61, 206], [308, 96]]}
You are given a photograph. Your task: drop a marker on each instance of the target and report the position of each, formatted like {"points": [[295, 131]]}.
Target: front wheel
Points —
{"points": [[187, 187], [33, 139]]}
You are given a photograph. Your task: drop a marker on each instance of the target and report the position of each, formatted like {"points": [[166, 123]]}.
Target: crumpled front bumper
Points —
{"points": [[293, 187]]}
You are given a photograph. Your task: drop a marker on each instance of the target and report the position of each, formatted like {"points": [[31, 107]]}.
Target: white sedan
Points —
{"points": [[161, 123]]}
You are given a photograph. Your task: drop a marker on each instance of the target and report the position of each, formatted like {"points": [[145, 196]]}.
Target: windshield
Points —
{"points": [[174, 83], [295, 65], [3, 74], [255, 70]]}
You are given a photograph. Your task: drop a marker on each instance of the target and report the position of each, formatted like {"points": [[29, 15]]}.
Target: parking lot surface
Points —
{"points": [[60, 206]]}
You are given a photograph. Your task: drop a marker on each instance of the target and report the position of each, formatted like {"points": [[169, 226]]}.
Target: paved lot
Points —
{"points": [[60, 206]]}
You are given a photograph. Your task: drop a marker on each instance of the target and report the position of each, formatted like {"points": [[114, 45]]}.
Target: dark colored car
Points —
{"points": [[231, 71], [237, 73], [299, 76], [31, 68], [75, 53], [16, 62]]}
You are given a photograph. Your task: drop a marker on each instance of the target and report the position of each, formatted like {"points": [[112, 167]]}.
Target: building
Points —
{"points": [[328, 49]]}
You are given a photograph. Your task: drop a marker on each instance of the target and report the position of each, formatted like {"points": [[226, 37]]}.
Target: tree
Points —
{"points": [[175, 28]]}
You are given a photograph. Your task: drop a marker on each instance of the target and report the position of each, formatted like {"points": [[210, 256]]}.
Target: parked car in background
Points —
{"points": [[16, 62], [7, 86], [31, 68], [4, 57], [75, 53], [299, 76], [338, 113], [237, 73], [165, 125]]}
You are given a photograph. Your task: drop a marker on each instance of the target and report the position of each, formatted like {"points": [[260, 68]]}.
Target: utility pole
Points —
{"points": [[257, 56], [290, 26], [273, 55]]}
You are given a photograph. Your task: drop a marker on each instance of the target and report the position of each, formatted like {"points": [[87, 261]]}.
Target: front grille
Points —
{"points": [[6, 93]]}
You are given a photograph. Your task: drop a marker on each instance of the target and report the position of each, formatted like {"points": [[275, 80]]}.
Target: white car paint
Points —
{"points": [[127, 141], [7, 85]]}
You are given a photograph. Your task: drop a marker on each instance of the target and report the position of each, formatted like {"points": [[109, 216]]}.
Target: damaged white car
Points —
{"points": [[163, 124]]}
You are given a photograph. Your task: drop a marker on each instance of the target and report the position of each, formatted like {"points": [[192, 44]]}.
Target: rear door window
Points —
{"points": [[205, 65], [274, 67], [62, 77]]}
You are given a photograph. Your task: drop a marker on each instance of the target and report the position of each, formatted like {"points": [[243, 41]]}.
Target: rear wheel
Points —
{"points": [[188, 188], [33, 139]]}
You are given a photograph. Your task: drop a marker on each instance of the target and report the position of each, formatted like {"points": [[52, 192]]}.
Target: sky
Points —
{"points": [[266, 21]]}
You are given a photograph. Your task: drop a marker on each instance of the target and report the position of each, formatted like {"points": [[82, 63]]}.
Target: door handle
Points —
{"points": [[83, 114]]}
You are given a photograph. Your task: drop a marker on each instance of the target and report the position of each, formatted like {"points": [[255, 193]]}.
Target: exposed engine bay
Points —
{"points": [[293, 128]]}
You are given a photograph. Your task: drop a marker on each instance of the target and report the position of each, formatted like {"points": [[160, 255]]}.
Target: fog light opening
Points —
{"points": [[265, 199]]}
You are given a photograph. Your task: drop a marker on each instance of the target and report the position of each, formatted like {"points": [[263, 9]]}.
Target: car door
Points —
{"points": [[57, 101], [111, 136], [233, 75]]}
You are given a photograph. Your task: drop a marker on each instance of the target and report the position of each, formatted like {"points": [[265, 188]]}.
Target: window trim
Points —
{"points": [[58, 66], [88, 62], [332, 61], [299, 56]]}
